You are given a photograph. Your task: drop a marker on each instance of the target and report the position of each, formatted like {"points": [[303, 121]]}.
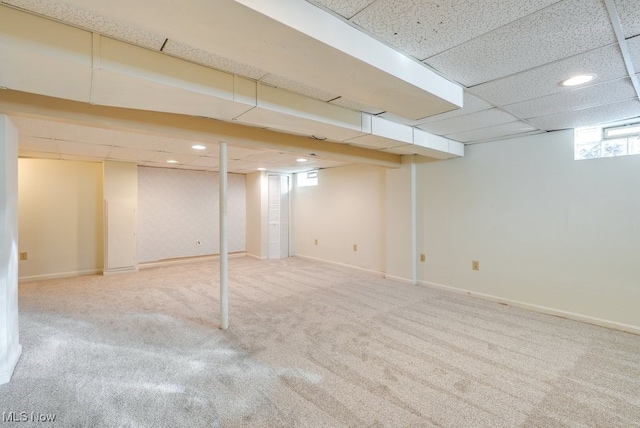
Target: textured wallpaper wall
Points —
{"points": [[178, 213]]}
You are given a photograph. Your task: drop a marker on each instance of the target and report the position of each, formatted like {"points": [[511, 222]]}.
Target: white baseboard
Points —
{"points": [[195, 259], [119, 271], [541, 309], [253, 256], [331, 262], [400, 279], [59, 275], [5, 376]]}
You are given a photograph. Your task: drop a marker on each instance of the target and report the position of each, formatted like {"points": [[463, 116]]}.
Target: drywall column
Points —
{"points": [[120, 205], [10, 348], [257, 219], [401, 221], [224, 241]]}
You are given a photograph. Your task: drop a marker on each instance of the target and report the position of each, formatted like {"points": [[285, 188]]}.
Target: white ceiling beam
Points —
{"points": [[403, 73]]}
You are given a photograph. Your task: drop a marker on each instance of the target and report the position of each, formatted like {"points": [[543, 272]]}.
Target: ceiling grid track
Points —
{"points": [[622, 42]]}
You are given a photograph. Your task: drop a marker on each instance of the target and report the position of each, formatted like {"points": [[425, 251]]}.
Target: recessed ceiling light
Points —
{"points": [[262, 169], [172, 161], [578, 80], [301, 160], [198, 147]]}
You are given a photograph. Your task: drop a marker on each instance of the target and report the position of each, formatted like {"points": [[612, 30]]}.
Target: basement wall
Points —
{"points": [[346, 208], [549, 232], [60, 218], [178, 213]]}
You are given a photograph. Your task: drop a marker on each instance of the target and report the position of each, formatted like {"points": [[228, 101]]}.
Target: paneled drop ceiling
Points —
{"points": [[362, 73]]}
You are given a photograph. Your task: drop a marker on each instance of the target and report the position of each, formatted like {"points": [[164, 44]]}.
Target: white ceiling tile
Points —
{"points": [[590, 116], [64, 131], [297, 87], [84, 19], [634, 51], [237, 152], [494, 132], [344, 8], [28, 126], [574, 99], [38, 144], [354, 105], [244, 165], [163, 157], [142, 141], [83, 134], [210, 59], [471, 104], [205, 161], [481, 119], [629, 13], [186, 147], [269, 156], [83, 149], [423, 29], [290, 167], [605, 62], [127, 154], [567, 28]]}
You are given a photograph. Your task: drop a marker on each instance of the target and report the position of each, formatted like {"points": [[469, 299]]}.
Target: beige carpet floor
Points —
{"points": [[312, 345]]}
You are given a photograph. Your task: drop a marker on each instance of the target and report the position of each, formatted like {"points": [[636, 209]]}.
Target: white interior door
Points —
{"points": [[278, 216]]}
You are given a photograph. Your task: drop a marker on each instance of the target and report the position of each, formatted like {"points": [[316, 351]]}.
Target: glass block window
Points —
{"points": [[309, 178], [603, 142]]}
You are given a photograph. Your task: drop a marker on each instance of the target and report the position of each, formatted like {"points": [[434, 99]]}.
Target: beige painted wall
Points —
{"points": [[120, 190], [60, 217], [399, 224], [346, 207], [547, 230]]}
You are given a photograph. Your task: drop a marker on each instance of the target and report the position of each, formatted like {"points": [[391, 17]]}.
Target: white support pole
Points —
{"points": [[414, 221], [224, 248]]}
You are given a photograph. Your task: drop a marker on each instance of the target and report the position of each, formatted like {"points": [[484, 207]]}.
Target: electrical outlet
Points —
{"points": [[475, 265], [355, 247], [316, 242], [23, 256], [423, 257]]}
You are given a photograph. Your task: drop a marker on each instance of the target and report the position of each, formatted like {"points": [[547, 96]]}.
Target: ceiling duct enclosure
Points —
{"points": [[46, 57]]}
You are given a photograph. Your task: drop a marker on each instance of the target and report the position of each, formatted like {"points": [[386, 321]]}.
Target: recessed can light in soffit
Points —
{"points": [[198, 147], [262, 169], [301, 160], [172, 161], [579, 79]]}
